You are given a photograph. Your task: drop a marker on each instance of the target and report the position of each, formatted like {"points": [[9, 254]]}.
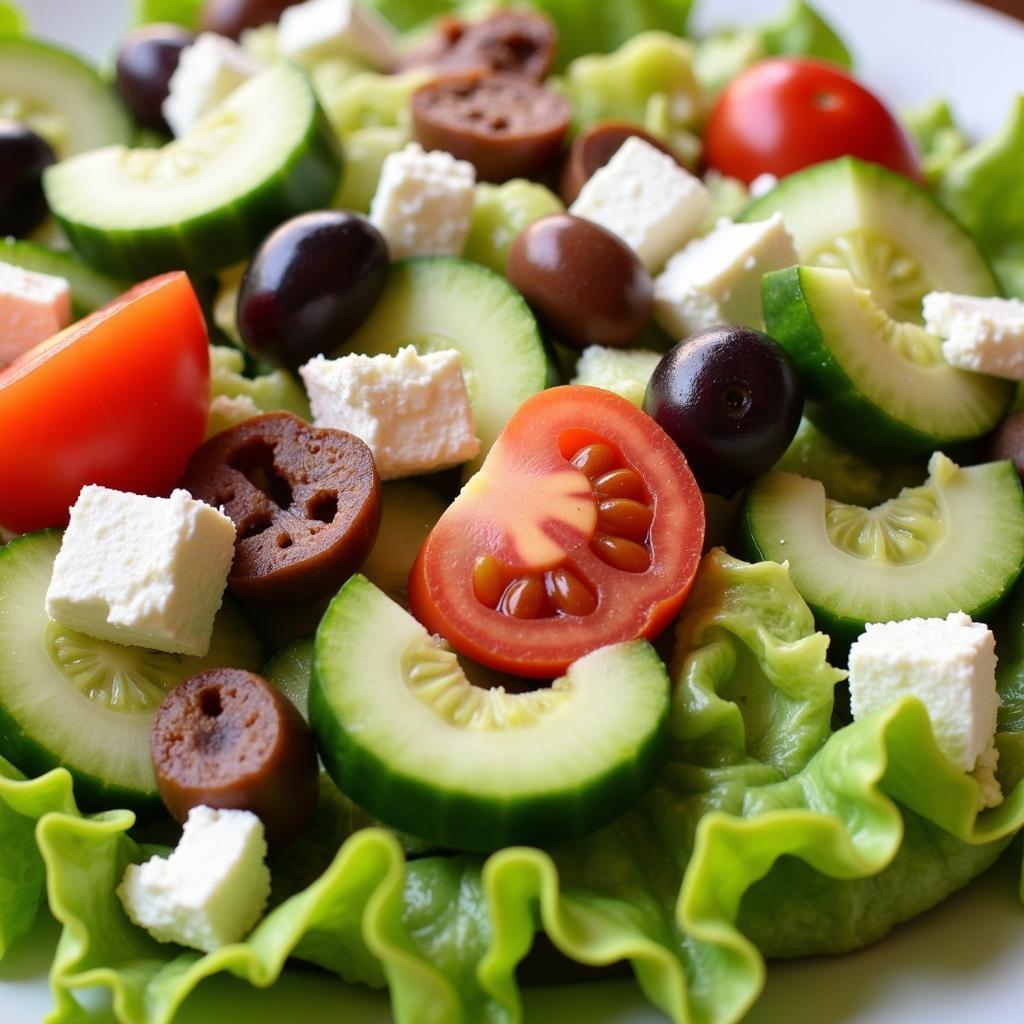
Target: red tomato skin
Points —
{"points": [[119, 399], [785, 114], [630, 605]]}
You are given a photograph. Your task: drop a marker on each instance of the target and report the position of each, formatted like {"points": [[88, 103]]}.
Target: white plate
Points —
{"points": [[962, 963]]}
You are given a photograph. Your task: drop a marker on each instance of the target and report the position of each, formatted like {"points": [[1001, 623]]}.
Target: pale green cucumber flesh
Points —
{"points": [[955, 543], [205, 201], [68, 700], [438, 302], [877, 385], [403, 733], [888, 232], [60, 97]]}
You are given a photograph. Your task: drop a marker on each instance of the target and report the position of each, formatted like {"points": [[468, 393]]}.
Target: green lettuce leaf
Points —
{"points": [[12, 21], [939, 141], [984, 189], [178, 12], [764, 834]]}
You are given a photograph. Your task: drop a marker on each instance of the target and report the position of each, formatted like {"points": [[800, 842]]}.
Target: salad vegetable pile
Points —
{"points": [[490, 493]]}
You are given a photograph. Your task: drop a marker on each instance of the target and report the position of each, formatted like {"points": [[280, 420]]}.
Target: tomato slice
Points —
{"points": [[583, 527], [119, 398]]}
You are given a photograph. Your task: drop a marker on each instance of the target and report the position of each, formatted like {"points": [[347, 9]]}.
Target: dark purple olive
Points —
{"points": [[232, 17], [23, 158], [1008, 442], [311, 284], [731, 399], [586, 285], [145, 63]]}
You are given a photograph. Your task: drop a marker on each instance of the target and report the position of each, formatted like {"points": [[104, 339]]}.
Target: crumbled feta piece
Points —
{"points": [[625, 371], [208, 72], [228, 411], [412, 411], [982, 335], [717, 279], [142, 571], [990, 793], [948, 664], [211, 890], [762, 185], [648, 200], [337, 28], [32, 308], [424, 202]]}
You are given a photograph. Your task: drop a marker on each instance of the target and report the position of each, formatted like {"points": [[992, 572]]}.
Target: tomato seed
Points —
{"points": [[524, 598], [594, 460], [624, 517], [569, 593], [620, 553], [488, 580], [620, 483]]}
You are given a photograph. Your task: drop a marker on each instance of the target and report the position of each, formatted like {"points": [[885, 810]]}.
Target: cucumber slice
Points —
{"points": [[891, 235], [438, 302], [59, 97], [68, 700], [206, 200], [405, 735], [89, 288], [877, 385], [956, 543]]}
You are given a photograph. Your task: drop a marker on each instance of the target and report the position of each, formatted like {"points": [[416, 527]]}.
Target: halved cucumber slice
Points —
{"points": [[68, 700], [437, 302], [879, 386], [405, 735], [206, 200], [956, 543], [59, 97], [89, 288], [891, 235]]}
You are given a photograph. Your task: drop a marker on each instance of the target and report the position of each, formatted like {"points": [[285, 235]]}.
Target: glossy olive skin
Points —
{"points": [[1007, 442], [232, 17], [730, 397], [145, 63], [23, 158], [311, 284], [586, 286]]}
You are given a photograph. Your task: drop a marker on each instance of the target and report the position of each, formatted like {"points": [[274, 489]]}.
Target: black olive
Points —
{"points": [[147, 59], [23, 158]]}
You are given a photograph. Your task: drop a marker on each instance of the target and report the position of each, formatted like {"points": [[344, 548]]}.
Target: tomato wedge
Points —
{"points": [[583, 527], [119, 398]]}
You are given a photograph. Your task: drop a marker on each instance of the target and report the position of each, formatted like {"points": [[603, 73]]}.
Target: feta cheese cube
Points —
{"points": [[337, 28], [142, 571], [424, 202], [208, 72], [32, 308], [948, 664], [211, 890], [717, 279], [762, 185], [412, 411], [648, 200], [982, 335]]}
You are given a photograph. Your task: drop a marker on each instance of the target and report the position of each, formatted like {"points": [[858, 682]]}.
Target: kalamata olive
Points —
{"points": [[311, 284], [227, 738], [232, 17], [585, 284], [23, 158], [593, 148], [145, 63], [731, 399], [1008, 442], [505, 125]]}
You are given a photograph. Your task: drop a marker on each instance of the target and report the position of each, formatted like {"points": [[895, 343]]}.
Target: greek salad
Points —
{"points": [[493, 494]]}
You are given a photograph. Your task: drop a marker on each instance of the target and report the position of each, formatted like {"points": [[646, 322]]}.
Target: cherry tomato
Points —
{"points": [[785, 114], [119, 399], [583, 528]]}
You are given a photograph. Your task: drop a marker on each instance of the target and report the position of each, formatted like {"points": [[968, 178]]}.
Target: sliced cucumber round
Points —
{"points": [[59, 97], [956, 543], [891, 235], [407, 737], [89, 288], [878, 385], [68, 700], [206, 200], [438, 302]]}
